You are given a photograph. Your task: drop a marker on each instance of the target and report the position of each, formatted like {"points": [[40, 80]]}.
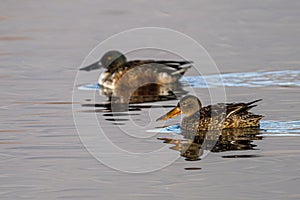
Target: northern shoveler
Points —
{"points": [[213, 117], [136, 73]]}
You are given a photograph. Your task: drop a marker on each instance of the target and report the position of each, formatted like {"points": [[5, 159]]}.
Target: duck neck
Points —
{"points": [[190, 122]]}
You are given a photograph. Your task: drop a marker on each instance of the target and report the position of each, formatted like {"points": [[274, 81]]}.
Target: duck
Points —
{"points": [[135, 73], [213, 117]]}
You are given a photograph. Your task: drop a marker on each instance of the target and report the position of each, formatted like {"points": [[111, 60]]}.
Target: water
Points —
{"points": [[43, 45], [284, 78], [286, 128]]}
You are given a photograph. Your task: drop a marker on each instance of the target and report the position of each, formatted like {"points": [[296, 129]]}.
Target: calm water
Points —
{"points": [[43, 45]]}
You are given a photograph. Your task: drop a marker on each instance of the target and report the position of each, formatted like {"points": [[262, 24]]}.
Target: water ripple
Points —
{"points": [[268, 128], [284, 78], [89, 87], [281, 127]]}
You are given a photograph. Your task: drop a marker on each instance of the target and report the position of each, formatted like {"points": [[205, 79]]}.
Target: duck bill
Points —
{"points": [[173, 113], [96, 65]]}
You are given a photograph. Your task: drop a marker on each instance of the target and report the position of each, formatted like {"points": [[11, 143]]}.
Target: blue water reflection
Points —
{"points": [[284, 78], [268, 128]]}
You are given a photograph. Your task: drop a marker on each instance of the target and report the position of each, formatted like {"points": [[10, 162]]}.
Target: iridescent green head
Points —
{"points": [[111, 60]]}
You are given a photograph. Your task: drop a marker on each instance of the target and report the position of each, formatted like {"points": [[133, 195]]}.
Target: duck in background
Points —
{"points": [[138, 81], [151, 71]]}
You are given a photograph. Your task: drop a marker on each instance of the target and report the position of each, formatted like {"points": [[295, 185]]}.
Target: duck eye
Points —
{"points": [[109, 58]]}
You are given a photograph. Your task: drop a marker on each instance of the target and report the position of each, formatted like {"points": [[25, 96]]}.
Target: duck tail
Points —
{"points": [[249, 107], [182, 70], [243, 108], [255, 101]]}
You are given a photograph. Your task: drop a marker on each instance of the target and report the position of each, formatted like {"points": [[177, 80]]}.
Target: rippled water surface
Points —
{"points": [[255, 45], [281, 127], [285, 78]]}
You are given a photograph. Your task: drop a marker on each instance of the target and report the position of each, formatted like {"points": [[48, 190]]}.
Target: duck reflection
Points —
{"points": [[130, 100], [193, 145], [125, 104], [151, 92]]}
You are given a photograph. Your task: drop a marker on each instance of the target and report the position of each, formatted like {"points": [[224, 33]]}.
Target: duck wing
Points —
{"points": [[175, 67], [227, 108]]}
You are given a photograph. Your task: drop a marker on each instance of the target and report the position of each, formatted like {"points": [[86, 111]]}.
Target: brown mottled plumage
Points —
{"points": [[213, 117]]}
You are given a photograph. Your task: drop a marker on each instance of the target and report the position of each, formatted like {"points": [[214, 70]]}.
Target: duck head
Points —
{"points": [[188, 106], [110, 60]]}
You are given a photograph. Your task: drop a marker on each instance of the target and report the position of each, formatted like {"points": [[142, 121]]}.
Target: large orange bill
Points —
{"points": [[173, 113]]}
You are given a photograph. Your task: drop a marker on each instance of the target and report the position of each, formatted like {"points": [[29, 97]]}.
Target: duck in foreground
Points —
{"points": [[213, 117], [133, 74]]}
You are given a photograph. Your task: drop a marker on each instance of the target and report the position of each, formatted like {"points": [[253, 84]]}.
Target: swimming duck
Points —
{"points": [[138, 72], [213, 117]]}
